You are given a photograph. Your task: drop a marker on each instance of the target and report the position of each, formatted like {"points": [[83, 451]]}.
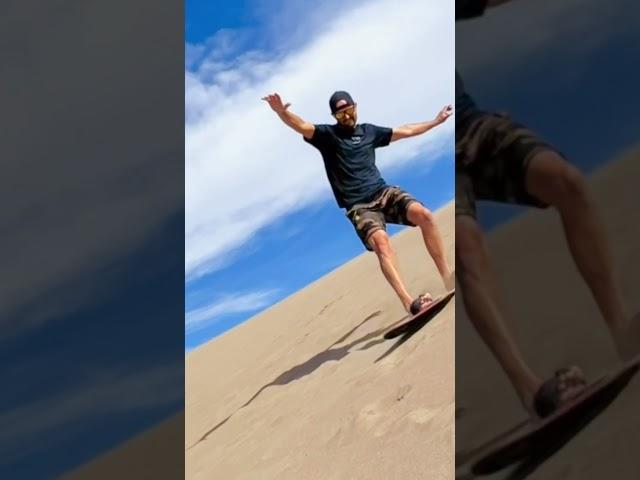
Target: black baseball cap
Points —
{"points": [[337, 97]]}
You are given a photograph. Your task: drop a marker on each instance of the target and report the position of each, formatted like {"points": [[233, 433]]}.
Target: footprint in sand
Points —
{"points": [[377, 415], [389, 364], [371, 418], [277, 421], [369, 415], [403, 392], [422, 415]]}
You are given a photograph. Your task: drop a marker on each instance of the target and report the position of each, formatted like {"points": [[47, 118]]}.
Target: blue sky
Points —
{"points": [[204, 18], [261, 220]]}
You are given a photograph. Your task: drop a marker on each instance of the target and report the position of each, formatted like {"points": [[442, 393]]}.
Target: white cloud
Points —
{"points": [[202, 317], [245, 169]]}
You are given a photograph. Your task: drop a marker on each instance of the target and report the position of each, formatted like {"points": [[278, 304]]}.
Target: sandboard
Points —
{"points": [[420, 318], [537, 440]]}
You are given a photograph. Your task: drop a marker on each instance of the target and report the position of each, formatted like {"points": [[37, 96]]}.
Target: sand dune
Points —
{"points": [[310, 390], [557, 323]]}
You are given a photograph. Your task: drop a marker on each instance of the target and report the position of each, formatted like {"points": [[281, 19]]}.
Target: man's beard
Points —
{"points": [[351, 124]]}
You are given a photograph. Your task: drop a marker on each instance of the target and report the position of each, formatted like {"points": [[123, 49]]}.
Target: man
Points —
{"points": [[348, 151], [499, 160]]}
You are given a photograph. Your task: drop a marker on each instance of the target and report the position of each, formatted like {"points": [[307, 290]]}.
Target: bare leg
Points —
{"points": [[557, 183], [480, 294], [423, 218], [381, 245]]}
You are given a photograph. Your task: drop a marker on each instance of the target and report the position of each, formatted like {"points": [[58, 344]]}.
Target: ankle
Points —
{"points": [[449, 280], [406, 303]]}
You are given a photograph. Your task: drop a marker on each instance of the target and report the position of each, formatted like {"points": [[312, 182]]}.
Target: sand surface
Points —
{"points": [[335, 401]]}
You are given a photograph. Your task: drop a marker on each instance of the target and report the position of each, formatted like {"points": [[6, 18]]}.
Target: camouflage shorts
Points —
{"points": [[388, 207], [492, 156]]}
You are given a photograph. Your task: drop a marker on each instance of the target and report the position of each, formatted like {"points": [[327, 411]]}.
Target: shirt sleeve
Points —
{"points": [[381, 136], [466, 9], [320, 136]]}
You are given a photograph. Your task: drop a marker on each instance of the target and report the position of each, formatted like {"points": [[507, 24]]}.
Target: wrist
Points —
{"points": [[283, 115]]}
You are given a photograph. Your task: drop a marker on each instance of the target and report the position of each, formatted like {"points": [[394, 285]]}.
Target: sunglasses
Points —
{"points": [[347, 111]]}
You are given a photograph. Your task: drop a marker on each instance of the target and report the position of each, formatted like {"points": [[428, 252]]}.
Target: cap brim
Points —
{"points": [[344, 107]]}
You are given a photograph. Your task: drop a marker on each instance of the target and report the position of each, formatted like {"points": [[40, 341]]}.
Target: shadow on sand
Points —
{"points": [[412, 328], [333, 353]]}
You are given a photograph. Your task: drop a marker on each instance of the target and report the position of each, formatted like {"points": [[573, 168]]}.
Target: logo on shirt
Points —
{"points": [[356, 139]]}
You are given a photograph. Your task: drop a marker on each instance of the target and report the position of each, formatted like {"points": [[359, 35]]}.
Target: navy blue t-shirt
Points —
{"points": [[350, 160]]}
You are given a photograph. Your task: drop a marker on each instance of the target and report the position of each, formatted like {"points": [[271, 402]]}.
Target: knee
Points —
{"points": [[423, 217], [381, 244], [567, 184], [571, 185], [470, 247]]}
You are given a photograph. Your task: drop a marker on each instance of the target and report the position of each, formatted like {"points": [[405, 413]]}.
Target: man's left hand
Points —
{"points": [[444, 114]]}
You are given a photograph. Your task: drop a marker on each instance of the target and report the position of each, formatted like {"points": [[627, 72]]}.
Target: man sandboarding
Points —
{"points": [[499, 160], [348, 152]]}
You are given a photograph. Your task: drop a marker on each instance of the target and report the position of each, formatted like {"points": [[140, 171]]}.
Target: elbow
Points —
{"points": [[403, 132]]}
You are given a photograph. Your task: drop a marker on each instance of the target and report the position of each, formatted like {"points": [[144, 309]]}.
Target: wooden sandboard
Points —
{"points": [[422, 317]]}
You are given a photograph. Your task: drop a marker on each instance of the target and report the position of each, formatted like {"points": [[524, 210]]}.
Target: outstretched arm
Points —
{"points": [[289, 118], [413, 129]]}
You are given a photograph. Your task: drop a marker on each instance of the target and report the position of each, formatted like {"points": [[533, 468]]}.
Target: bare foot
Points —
{"points": [[555, 392], [419, 303]]}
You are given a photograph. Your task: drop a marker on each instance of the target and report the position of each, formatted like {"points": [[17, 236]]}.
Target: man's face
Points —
{"points": [[347, 116]]}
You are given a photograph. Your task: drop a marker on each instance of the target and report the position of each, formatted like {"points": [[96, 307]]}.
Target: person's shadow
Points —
{"points": [[333, 353], [408, 330]]}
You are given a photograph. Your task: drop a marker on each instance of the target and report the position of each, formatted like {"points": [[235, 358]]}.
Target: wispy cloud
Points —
{"points": [[245, 169], [202, 317]]}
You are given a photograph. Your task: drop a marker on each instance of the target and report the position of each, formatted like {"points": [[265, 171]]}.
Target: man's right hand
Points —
{"points": [[298, 124], [275, 102]]}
